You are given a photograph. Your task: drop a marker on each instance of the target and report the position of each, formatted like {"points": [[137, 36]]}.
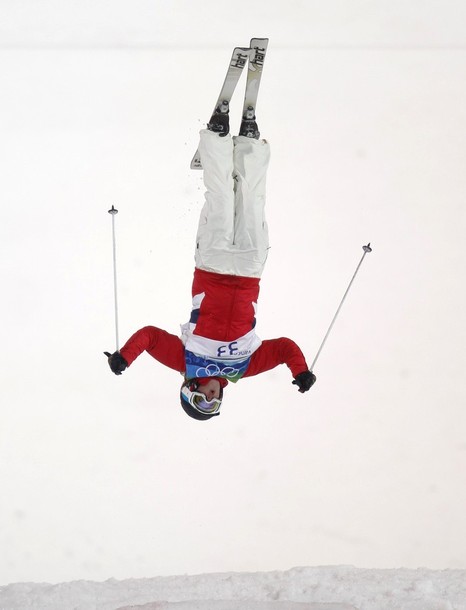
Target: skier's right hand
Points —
{"points": [[116, 362], [304, 381]]}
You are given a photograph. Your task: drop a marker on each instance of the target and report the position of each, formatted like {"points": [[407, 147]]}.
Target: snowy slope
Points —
{"points": [[306, 588], [236, 605]]}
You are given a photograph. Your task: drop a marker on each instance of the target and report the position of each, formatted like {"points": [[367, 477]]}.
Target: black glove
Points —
{"points": [[304, 381], [116, 362]]}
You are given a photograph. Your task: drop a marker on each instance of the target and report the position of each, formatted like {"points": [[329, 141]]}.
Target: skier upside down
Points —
{"points": [[219, 343]]}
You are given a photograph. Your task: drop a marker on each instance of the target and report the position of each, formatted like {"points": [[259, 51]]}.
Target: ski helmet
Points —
{"points": [[195, 403]]}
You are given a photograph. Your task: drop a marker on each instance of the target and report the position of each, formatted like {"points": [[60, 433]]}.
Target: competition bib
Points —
{"points": [[199, 366], [210, 358]]}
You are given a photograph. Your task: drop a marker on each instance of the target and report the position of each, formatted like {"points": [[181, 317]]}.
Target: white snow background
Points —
{"points": [[364, 104]]}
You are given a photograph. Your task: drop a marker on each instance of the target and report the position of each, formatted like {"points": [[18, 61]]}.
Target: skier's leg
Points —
{"points": [[216, 224], [251, 159]]}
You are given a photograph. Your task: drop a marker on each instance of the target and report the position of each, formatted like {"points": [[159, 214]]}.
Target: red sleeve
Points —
{"points": [[164, 347], [274, 352]]}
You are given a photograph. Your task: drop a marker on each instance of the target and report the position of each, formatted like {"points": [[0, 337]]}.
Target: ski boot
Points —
{"points": [[248, 125], [220, 120]]}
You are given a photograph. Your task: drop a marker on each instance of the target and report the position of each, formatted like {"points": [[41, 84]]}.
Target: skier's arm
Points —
{"points": [[273, 352], [164, 347]]}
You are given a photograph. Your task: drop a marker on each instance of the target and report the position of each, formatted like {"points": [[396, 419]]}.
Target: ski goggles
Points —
{"points": [[199, 402]]}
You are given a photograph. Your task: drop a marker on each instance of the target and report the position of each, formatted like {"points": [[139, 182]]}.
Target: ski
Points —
{"points": [[255, 66], [238, 60]]}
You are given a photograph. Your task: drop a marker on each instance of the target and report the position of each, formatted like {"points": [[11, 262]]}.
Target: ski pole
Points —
{"points": [[366, 250], [113, 212]]}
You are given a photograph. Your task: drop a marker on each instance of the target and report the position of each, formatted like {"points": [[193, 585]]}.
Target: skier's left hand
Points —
{"points": [[304, 381], [116, 362]]}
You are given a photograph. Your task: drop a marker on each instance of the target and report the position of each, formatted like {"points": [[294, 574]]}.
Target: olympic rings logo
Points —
{"points": [[212, 370]]}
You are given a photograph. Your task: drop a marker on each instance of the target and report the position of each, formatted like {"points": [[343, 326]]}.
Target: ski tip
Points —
{"points": [[260, 43]]}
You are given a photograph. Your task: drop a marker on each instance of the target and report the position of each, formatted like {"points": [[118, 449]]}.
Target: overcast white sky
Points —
{"points": [[364, 104]]}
